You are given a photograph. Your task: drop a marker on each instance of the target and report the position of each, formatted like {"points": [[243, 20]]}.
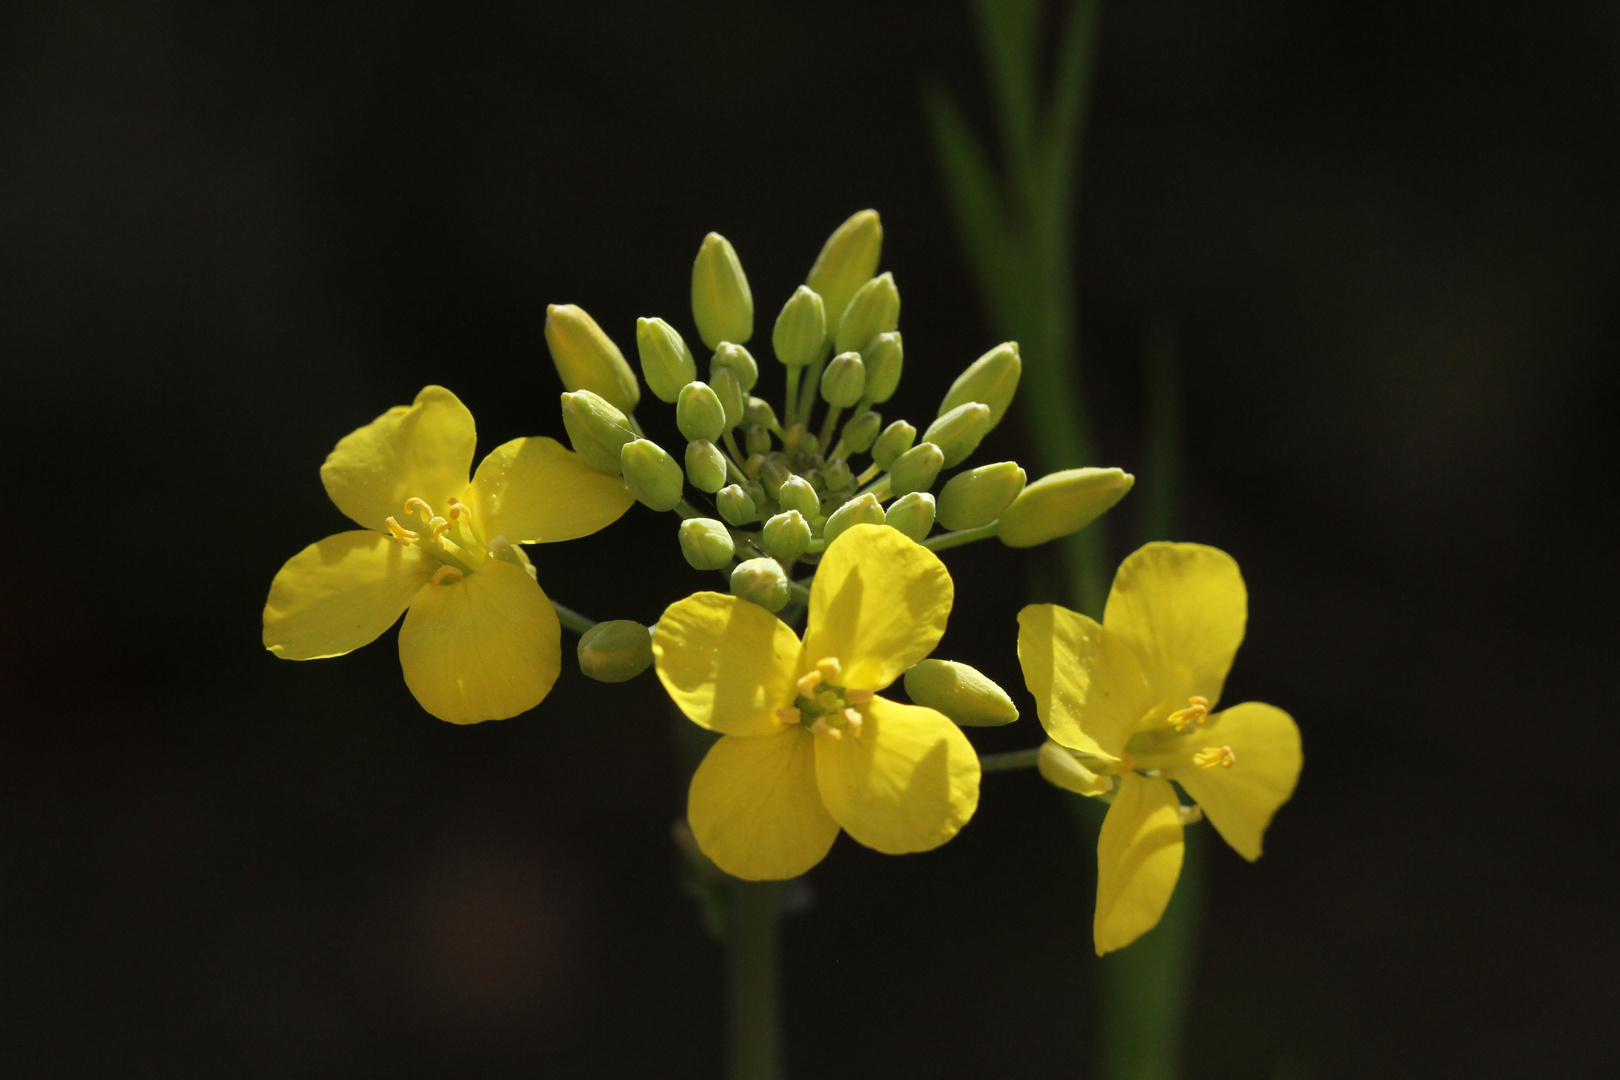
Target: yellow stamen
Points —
{"points": [[1193, 715], [444, 572], [821, 727], [460, 510], [852, 722], [829, 667], [789, 715], [420, 507], [808, 683], [1215, 755], [858, 697], [400, 533], [439, 530]]}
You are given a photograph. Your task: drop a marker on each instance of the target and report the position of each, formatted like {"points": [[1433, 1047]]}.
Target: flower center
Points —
{"points": [[1162, 747], [824, 707], [450, 538]]}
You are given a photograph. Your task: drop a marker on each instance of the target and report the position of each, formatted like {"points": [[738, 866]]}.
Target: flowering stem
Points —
{"points": [[753, 1008], [962, 536], [1013, 759], [791, 408], [572, 619]]}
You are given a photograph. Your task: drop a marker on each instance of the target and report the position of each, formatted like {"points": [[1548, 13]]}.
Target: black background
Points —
{"points": [[229, 234]]}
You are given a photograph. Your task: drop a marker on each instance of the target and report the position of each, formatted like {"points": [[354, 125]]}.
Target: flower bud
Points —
{"points": [[763, 582], [795, 493], [861, 431], [836, 477], [756, 492], [991, 379], [883, 359], [1062, 503], [847, 261], [801, 329], [615, 651], [959, 432], [706, 543], [757, 410], [724, 382], [1059, 767], [596, 430], [666, 362], [722, 304], [912, 514], [843, 380], [895, 440], [698, 412], [651, 474], [863, 510], [741, 361], [916, 469], [975, 498], [587, 359], [705, 466], [799, 438], [785, 536], [756, 440], [874, 310], [960, 692], [735, 505]]}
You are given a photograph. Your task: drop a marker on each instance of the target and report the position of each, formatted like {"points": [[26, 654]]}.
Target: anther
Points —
{"points": [[1193, 715], [789, 715], [1213, 756], [459, 509], [420, 507], [808, 683], [852, 722], [400, 533], [821, 727], [439, 530], [442, 575], [829, 667], [858, 697]]}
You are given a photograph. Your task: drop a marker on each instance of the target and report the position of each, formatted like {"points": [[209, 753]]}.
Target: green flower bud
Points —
{"points": [[883, 359], [785, 536], [698, 412], [773, 474], [756, 440], [740, 360], [874, 310], [723, 380], [991, 379], [795, 493], [912, 514], [651, 474], [1059, 767], [666, 363], [864, 510], [801, 329], [975, 498], [757, 410], [596, 429], [960, 692], [916, 469], [587, 359], [959, 432], [847, 261], [735, 505], [722, 304], [705, 465], [706, 543], [1062, 503], [836, 477], [615, 651], [861, 431], [752, 465], [843, 380], [895, 440], [798, 438], [763, 582], [756, 492]]}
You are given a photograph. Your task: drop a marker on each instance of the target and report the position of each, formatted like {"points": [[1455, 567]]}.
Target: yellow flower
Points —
{"points": [[480, 640], [807, 747], [1132, 702]]}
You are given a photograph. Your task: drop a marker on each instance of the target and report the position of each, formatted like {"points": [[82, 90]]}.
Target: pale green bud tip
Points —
{"points": [[666, 362], [962, 693], [884, 358], [1060, 768], [728, 388], [735, 505], [763, 582], [959, 432], [758, 411], [916, 469], [740, 360], [722, 304], [895, 440], [801, 329], [706, 543], [615, 651], [596, 429], [847, 261], [991, 379], [874, 310], [1062, 503], [705, 465], [862, 431], [651, 474], [975, 498], [796, 493], [587, 359], [786, 536], [698, 412], [865, 510], [843, 380], [912, 514]]}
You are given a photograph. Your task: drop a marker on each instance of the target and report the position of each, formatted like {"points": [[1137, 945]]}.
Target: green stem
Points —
{"points": [[753, 1008], [571, 619], [945, 541], [1013, 759], [829, 425], [792, 400]]}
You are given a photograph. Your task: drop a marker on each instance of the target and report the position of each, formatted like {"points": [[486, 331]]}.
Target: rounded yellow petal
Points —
{"points": [[1240, 801], [486, 647], [534, 491], [418, 451], [1088, 687], [1182, 609], [1138, 860], [878, 604], [728, 664], [907, 782], [342, 593], [753, 806]]}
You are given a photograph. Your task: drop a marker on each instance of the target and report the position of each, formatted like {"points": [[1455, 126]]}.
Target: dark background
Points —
{"points": [[229, 234]]}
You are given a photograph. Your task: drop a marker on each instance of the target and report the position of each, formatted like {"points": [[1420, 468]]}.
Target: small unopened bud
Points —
{"points": [[756, 440], [836, 477], [785, 536], [698, 412], [763, 582], [895, 440], [847, 261], [722, 304], [991, 379], [596, 429], [863, 510], [795, 493], [615, 651], [735, 506], [705, 465], [757, 410], [723, 381], [916, 469], [861, 431], [959, 432], [706, 543], [798, 438], [843, 380], [773, 474], [587, 359], [741, 361], [801, 329], [756, 492], [962, 693], [651, 474], [912, 514], [666, 362], [1060, 768], [883, 357], [874, 310], [975, 498], [1062, 503]]}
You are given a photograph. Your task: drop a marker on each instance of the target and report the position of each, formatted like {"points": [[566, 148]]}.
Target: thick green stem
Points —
{"points": [[1012, 759], [753, 1007], [948, 540]]}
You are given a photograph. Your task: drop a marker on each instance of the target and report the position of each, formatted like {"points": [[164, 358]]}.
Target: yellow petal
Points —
{"points": [[1240, 801], [879, 605], [1088, 687], [417, 451], [1181, 608], [486, 647], [908, 782], [728, 664], [534, 491], [753, 806], [337, 595], [1138, 860]]}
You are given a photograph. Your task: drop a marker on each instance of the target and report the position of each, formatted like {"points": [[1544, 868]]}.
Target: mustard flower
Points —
{"points": [[480, 639], [807, 747], [1129, 706]]}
